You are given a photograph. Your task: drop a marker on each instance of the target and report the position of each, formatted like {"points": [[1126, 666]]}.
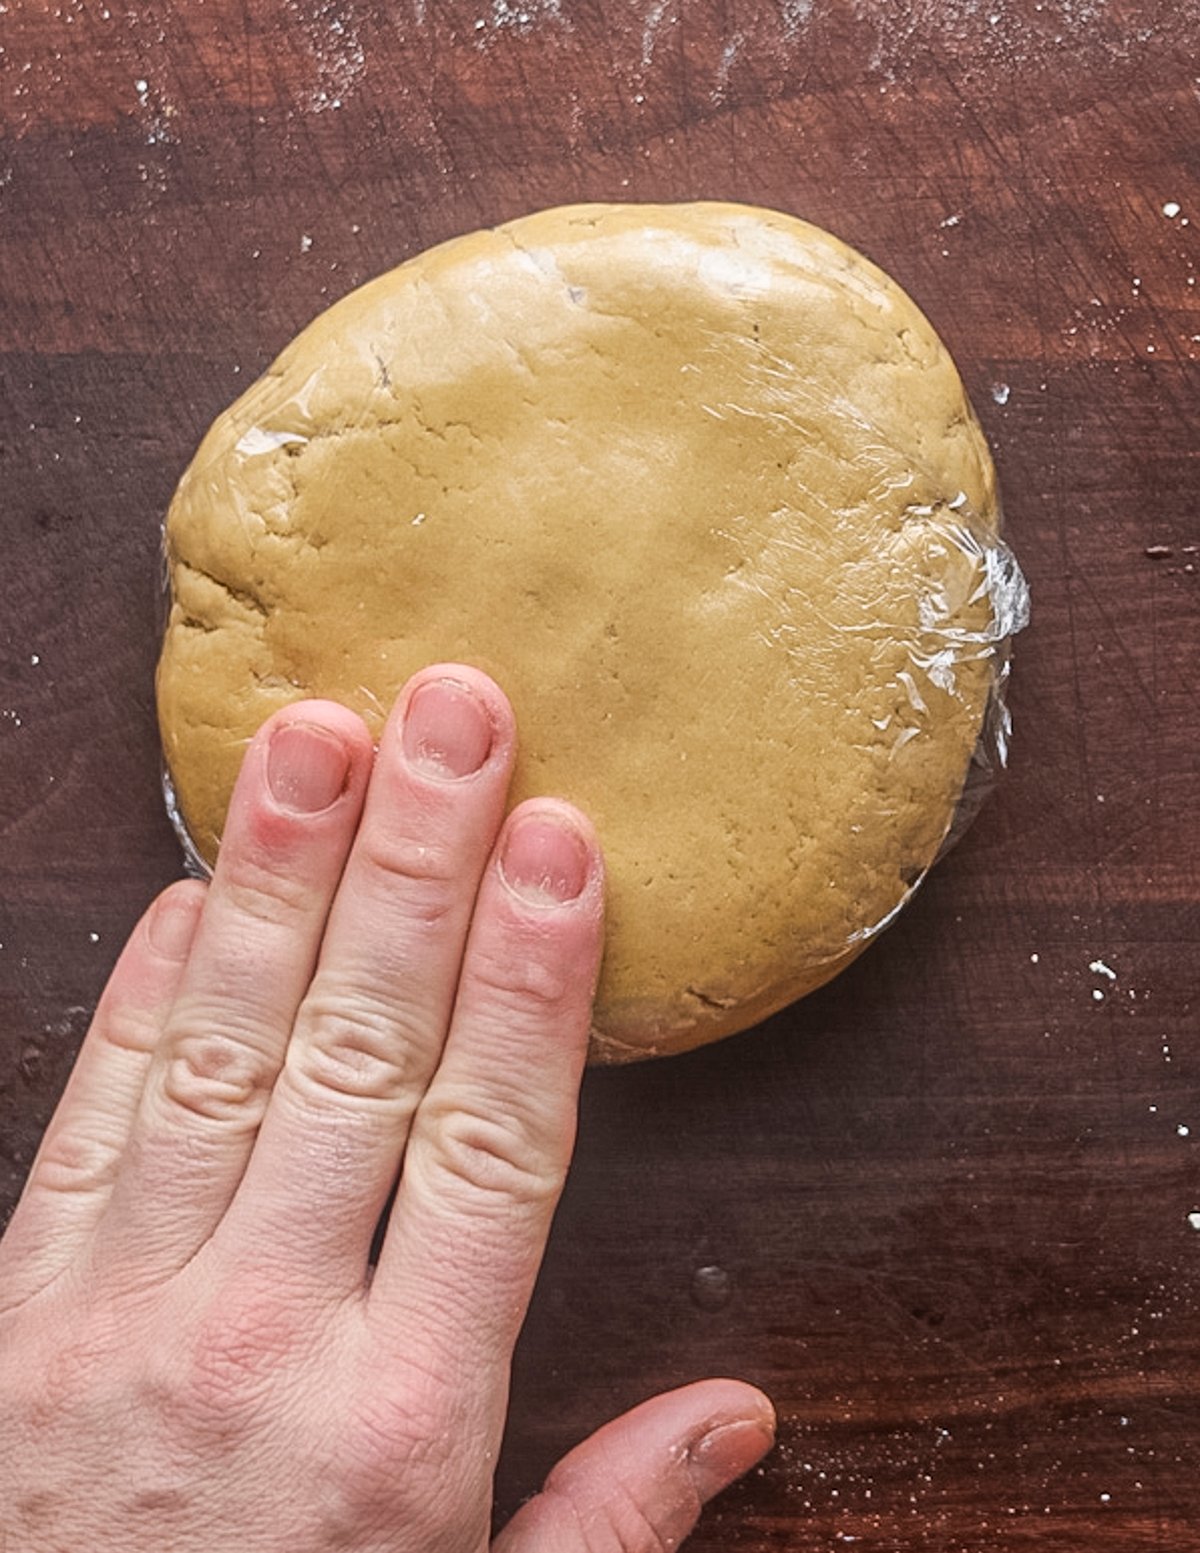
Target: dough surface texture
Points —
{"points": [[700, 487]]}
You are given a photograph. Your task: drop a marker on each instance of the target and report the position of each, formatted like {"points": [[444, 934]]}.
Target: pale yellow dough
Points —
{"points": [[700, 487]]}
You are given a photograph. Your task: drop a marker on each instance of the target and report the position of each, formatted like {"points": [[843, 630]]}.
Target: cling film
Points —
{"points": [[700, 488]]}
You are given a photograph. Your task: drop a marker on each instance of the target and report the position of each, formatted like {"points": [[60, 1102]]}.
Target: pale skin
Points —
{"points": [[384, 976]]}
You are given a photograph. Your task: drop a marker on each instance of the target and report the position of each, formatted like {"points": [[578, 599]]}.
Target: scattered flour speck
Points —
{"points": [[658, 15], [508, 14], [1000, 392], [728, 54], [793, 14], [330, 31], [1171, 209]]}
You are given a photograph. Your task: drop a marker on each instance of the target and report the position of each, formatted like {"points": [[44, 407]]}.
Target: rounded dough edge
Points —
{"points": [[333, 363]]}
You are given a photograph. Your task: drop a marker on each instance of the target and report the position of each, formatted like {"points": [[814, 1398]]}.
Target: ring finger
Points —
{"points": [[291, 820]]}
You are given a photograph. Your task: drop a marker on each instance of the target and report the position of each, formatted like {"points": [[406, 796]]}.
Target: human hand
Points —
{"points": [[194, 1353]]}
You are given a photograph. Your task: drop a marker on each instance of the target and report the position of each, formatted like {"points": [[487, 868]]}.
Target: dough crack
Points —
{"points": [[241, 596], [194, 623], [710, 999]]}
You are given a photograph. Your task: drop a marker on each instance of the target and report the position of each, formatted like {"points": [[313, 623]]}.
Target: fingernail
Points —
{"points": [[170, 929], [306, 767], [544, 860], [447, 731], [726, 1452]]}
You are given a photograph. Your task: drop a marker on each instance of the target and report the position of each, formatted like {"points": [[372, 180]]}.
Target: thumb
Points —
{"points": [[638, 1484]]}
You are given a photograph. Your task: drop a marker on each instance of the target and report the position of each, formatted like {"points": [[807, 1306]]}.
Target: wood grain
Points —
{"points": [[948, 1196]]}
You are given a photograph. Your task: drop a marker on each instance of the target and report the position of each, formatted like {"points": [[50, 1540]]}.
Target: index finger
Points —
{"points": [[492, 1138]]}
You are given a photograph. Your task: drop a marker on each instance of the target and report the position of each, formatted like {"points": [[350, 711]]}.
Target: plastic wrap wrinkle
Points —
{"points": [[257, 441], [194, 864]]}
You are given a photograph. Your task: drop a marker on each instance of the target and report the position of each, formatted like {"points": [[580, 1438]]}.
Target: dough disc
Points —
{"points": [[700, 487]]}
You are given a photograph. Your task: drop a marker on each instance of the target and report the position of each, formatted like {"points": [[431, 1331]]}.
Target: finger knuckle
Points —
{"points": [[130, 1030], [259, 891], [635, 1532], [73, 1161], [411, 1449], [525, 981], [214, 1383], [423, 873], [494, 1162], [55, 1379], [217, 1075], [390, 1436], [629, 1525], [351, 1045]]}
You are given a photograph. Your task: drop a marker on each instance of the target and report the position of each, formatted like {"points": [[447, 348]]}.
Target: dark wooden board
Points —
{"points": [[948, 1196]]}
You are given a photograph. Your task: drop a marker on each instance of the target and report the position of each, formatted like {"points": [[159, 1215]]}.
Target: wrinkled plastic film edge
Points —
{"points": [[1005, 585], [194, 865]]}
